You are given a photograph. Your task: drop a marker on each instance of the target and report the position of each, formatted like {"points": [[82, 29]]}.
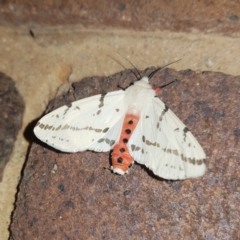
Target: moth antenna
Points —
{"points": [[137, 76], [165, 85], [125, 87], [160, 68], [126, 68]]}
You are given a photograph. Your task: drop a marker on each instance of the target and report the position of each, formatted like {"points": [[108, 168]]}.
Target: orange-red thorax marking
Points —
{"points": [[157, 90], [121, 157]]}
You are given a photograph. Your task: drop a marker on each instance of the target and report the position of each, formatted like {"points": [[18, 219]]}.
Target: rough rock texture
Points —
{"points": [[207, 16], [74, 196], [11, 113]]}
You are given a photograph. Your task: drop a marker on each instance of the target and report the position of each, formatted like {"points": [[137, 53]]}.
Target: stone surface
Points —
{"points": [[206, 16], [40, 64], [11, 109], [73, 196]]}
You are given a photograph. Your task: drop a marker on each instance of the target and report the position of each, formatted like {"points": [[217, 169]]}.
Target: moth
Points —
{"points": [[133, 123]]}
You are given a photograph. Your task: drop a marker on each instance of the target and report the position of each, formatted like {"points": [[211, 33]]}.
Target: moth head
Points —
{"points": [[144, 79], [143, 82]]}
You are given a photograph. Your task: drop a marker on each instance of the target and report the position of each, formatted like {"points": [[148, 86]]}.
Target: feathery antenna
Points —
{"points": [[163, 86], [160, 68], [137, 76]]}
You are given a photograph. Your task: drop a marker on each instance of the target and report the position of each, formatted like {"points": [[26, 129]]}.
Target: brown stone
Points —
{"points": [[11, 113], [74, 196], [206, 16]]}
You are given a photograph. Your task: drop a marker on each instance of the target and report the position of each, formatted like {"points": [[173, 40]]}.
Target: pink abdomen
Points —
{"points": [[121, 158]]}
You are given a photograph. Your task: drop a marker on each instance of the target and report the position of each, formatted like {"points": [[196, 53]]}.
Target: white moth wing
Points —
{"points": [[164, 144], [92, 123]]}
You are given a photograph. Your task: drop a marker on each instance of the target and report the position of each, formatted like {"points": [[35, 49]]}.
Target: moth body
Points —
{"points": [[121, 158]]}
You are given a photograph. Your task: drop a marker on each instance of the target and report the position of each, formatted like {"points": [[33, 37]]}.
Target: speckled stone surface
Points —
{"points": [[11, 113], [74, 196], [206, 16]]}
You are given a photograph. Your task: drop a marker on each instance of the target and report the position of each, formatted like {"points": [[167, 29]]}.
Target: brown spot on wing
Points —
{"points": [[95, 129], [66, 110], [47, 127], [163, 113], [108, 141], [149, 142], [112, 142], [192, 160], [105, 130], [171, 151], [200, 161], [58, 128], [66, 126], [102, 100], [135, 148], [185, 130]]}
